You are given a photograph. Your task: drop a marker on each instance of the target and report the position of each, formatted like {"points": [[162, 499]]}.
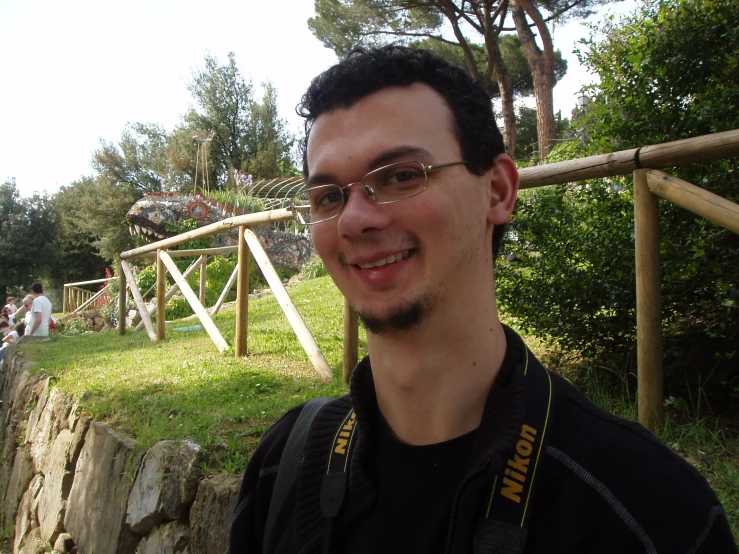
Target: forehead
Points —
{"points": [[414, 116]]}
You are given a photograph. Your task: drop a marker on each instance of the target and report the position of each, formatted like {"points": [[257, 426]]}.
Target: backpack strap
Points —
{"points": [[290, 460]]}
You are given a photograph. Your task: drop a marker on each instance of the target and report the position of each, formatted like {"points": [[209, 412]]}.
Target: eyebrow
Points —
{"points": [[399, 153]]}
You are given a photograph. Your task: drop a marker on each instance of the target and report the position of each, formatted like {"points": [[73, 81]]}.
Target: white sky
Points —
{"points": [[76, 71]]}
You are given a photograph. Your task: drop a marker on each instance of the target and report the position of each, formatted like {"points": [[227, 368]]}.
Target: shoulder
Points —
{"points": [[627, 472]]}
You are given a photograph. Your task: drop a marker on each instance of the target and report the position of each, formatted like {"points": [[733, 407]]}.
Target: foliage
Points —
{"points": [[75, 326], [185, 225], [527, 143], [28, 232], [238, 200], [313, 268], [667, 72]]}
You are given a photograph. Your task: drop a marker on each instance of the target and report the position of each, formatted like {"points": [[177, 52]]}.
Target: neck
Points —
{"points": [[432, 382]]}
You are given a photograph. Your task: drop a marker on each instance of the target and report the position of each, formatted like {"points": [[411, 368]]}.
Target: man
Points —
{"points": [[41, 310], [454, 438]]}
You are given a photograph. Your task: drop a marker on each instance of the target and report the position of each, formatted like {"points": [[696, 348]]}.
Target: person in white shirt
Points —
{"points": [[41, 309], [11, 305]]}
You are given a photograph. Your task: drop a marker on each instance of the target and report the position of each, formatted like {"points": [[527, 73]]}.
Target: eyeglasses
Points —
{"points": [[384, 185]]}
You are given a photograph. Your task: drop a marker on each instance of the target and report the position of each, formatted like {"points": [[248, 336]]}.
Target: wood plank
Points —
{"points": [[224, 294], [161, 308], [92, 282], [121, 300], [259, 218], [351, 341], [197, 252], [192, 268], [648, 304], [202, 313], [242, 296], [695, 199], [288, 307], [97, 295], [203, 278], [140, 304]]}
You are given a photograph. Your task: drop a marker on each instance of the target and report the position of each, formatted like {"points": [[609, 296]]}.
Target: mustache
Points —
{"points": [[394, 245]]}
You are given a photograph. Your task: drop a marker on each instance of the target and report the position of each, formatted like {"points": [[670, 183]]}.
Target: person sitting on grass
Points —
{"points": [[13, 333]]}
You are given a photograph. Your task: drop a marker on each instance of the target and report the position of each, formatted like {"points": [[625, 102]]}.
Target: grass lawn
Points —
{"points": [[183, 387]]}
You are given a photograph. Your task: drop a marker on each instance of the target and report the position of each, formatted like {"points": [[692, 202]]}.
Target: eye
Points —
{"points": [[400, 176], [328, 197]]}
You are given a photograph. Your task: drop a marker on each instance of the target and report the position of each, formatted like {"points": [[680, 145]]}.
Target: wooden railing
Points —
{"points": [[75, 298], [648, 185]]}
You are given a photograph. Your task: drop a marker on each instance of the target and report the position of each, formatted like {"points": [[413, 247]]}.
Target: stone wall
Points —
{"points": [[77, 485]]}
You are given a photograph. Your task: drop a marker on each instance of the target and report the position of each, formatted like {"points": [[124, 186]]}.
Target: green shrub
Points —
{"points": [[313, 268]]}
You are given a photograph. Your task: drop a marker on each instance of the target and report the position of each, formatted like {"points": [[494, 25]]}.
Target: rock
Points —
{"points": [[103, 478], [25, 521], [60, 467], [171, 538], [46, 422], [165, 486], [64, 543], [33, 544], [210, 515], [17, 484]]}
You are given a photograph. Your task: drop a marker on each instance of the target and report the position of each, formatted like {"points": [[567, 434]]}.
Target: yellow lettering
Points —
{"points": [[512, 490], [524, 448], [528, 433], [345, 434], [520, 464], [341, 446], [517, 476]]}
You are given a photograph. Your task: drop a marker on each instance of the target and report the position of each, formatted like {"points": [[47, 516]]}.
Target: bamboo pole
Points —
{"points": [[161, 300], [695, 199], [92, 282], [197, 252], [224, 294], [203, 277], [140, 304], [192, 268], [64, 299], [648, 304], [201, 312], [286, 303], [680, 152], [97, 295], [242, 295], [121, 300], [259, 218], [351, 341]]}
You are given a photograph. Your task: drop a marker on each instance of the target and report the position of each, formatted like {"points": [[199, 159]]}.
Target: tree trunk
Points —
{"points": [[4, 295], [541, 64], [506, 97]]}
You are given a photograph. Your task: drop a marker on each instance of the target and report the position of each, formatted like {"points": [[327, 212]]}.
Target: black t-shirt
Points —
{"points": [[416, 487]]}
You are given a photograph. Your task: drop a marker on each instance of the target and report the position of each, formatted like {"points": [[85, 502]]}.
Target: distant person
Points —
{"points": [[25, 312], [12, 334], [11, 305], [10, 315], [41, 309]]}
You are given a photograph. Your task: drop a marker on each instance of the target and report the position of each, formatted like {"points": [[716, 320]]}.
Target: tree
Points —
{"points": [[667, 72], [28, 227], [344, 24]]}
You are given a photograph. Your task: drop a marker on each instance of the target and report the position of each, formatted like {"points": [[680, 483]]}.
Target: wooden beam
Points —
{"points": [[198, 252], [203, 277], [192, 268], [64, 299], [140, 304], [197, 307], [90, 300], [648, 304], [93, 282], [161, 298], [695, 199], [351, 341], [121, 300], [242, 296], [224, 294], [259, 218], [680, 152], [293, 316]]}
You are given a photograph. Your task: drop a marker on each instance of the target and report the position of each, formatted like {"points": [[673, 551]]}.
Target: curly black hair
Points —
{"points": [[366, 71]]}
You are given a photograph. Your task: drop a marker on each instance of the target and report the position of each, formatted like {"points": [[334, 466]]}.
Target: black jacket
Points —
{"points": [[606, 484]]}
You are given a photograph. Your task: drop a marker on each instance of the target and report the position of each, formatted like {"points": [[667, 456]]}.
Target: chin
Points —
{"points": [[405, 316]]}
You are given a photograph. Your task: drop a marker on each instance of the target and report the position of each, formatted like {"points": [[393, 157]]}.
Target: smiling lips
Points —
{"points": [[392, 258]]}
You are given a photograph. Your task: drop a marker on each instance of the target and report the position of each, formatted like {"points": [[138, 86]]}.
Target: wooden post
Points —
{"points": [[194, 302], [121, 300], [288, 307], [64, 300], [203, 277], [140, 304], [242, 296], [648, 304], [226, 290], [161, 300], [351, 340]]}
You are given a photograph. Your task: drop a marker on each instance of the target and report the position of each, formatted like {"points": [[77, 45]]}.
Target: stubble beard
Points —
{"points": [[403, 317]]}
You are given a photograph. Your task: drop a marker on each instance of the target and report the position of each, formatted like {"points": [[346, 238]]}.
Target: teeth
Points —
{"points": [[138, 229], [392, 258], [130, 230]]}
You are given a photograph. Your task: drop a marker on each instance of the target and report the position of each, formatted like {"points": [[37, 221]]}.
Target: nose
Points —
{"points": [[360, 214]]}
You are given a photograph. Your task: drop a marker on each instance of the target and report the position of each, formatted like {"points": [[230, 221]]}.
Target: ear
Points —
{"points": [[502, 180]]}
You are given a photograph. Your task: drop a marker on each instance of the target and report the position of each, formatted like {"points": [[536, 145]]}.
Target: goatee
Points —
{"points": [[400, 318]]}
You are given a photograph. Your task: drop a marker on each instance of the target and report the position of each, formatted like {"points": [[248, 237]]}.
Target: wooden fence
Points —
{"points": [[648, 185], [75, 298]]}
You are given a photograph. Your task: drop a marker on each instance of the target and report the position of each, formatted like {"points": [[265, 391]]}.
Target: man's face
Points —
{"points": [[397, 263]]}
